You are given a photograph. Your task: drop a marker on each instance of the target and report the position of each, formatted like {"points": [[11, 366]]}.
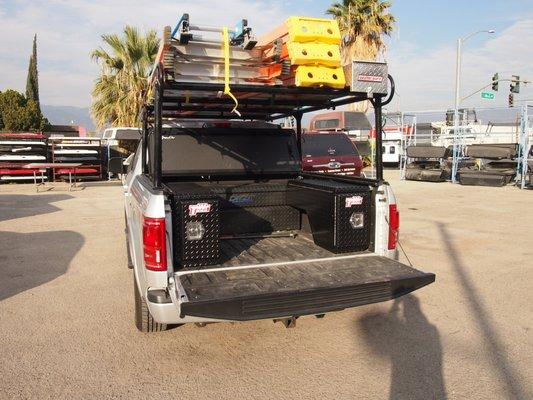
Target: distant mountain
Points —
{"points": [[67, 115]]}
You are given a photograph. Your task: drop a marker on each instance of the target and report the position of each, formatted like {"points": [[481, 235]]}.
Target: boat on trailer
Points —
{"points": [[75, 151], [19, 157], [473, 130]]}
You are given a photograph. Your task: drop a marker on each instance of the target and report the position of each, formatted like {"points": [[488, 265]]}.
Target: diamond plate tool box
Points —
{"points": [[369, 77], [338, 212], [248, 207], [189, 211]]}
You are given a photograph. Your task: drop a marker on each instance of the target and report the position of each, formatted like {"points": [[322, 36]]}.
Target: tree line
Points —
{"points": [[19, 112]]}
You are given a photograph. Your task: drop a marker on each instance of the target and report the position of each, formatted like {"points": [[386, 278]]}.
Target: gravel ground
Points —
{"points": [[67, 331]]}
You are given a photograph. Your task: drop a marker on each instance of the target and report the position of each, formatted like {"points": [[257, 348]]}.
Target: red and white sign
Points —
{"points": [[199, 208], [354, 201], [370, 78]]}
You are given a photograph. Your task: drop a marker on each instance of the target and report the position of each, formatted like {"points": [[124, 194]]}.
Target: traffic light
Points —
{"points": [[515, 84], [495, 79], [511, 99]]}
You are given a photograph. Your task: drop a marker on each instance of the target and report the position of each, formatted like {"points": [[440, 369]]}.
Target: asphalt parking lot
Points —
{"points": [[67, 331]]}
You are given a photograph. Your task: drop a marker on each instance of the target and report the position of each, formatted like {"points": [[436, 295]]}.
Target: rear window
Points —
{"points": [[128, 134], [327, 145], [327, 124]]}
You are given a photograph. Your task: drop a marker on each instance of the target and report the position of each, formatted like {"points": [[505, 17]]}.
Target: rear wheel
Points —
{"points": [[143, 319]]}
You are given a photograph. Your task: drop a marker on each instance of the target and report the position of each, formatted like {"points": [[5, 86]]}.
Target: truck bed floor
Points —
{"points": [[241, 252]]}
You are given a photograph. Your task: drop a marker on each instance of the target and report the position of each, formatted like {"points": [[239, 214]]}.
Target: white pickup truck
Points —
{"points": [[223, 225]]}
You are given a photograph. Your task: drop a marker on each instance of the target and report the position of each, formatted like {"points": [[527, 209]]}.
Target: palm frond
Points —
{"points": [[363, 23], [125, 61]]}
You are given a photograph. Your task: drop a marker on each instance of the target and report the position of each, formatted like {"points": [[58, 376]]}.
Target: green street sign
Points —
{"points": [[487, 95]]}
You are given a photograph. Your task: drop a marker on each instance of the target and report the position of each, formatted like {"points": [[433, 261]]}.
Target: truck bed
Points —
{"points": [[267, 250]]}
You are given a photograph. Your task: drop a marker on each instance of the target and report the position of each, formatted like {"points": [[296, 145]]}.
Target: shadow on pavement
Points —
{"points": [[412, 343], [28, 260], [14, 206], [512, 383]]}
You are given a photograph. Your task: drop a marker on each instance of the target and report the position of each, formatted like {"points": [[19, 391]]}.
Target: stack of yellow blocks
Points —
{"points": [[312, 45]]}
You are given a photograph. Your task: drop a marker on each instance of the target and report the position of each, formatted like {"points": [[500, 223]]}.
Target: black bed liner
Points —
{"points": [[241, 252], [300, 278]]}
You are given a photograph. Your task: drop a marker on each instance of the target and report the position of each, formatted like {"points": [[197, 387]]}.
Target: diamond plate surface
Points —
{"points": [[205, 251], [346, 237], [365, 76], [325, 204], [259, 219]]}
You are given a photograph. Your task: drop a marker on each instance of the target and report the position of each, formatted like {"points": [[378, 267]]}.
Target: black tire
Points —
{"points": [[143, 318]]}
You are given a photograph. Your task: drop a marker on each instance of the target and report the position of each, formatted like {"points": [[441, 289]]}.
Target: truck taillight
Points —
{"points": [[394, 226], [154, 244]]}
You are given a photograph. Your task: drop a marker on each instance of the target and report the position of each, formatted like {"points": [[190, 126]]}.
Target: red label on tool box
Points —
{"points": [[354, 201], [199, 208], [370, 78]]}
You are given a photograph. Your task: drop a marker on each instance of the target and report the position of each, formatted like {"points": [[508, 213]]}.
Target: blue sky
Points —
{"points": [[421, 51]]}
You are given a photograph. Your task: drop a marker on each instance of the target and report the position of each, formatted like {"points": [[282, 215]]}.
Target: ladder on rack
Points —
{"points": [[303, 52], [200, 77]]}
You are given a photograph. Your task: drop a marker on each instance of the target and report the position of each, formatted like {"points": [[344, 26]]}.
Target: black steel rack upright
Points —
{"points": [[188, 100]]}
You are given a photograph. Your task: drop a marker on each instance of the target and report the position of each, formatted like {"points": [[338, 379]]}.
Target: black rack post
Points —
{"points": [[144, 163], [158, 124], [298, 117], [379, 142]]}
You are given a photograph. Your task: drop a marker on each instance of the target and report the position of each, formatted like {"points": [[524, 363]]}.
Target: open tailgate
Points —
{"points": [[296, 288]]}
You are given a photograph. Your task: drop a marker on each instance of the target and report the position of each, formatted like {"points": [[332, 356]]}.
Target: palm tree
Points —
{"points": [[117, 93], [363, 23]]}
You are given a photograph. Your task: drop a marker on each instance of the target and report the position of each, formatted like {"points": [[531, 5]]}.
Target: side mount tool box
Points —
{"points": [[338, 213], [196, 214]]}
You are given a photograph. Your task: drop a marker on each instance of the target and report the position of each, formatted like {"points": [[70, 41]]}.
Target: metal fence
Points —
{"points": [[475, 126]]}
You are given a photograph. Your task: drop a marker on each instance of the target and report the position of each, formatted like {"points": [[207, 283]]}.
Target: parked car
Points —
{"points": [[330, 152]]}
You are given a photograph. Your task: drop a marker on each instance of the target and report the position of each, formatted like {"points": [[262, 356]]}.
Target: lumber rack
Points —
{"points": [[173, 100]]}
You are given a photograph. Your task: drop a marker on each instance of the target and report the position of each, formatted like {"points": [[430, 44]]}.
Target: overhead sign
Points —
{"points": [[487, 95]]}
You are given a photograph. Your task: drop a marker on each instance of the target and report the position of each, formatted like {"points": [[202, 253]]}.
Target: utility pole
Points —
{"points": [[457, 102]]}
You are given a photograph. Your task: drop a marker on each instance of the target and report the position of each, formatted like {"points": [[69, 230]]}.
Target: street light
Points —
{"points": [[460, 42]]}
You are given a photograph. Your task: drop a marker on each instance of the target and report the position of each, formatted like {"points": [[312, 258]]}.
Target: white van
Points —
{"points": [[112, 136]]}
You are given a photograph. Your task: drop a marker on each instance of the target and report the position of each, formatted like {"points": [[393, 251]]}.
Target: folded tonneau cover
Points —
{"points": [[296, 288]]}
